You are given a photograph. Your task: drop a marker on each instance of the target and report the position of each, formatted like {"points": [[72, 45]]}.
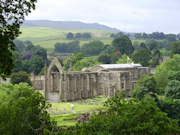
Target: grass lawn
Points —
{"points": [[61, 112]]}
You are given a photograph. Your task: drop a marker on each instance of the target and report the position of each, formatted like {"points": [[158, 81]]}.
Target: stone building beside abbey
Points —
{"points": [[104, 79]]}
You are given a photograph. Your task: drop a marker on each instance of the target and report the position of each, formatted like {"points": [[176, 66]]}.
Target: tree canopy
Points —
{"points": [[123, 44], [12, 14]]}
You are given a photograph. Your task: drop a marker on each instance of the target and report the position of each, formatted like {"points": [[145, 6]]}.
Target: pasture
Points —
{"points": [[48, 37]]}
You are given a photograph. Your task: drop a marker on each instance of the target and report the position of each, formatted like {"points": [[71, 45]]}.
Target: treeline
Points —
{"points": [[78, 36], [67, 47], [153, 35], [28, 57], [157, 36], [147, 53]]}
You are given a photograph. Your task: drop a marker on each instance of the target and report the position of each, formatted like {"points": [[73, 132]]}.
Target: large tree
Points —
{"points": [[175, 48], [12, 14], [143, 56], [123, 44]]}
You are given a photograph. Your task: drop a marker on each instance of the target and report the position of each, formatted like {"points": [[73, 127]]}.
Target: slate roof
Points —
{"points": [[116, 66]]}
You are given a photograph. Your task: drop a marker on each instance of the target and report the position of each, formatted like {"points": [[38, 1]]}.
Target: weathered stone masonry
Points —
{"points": [[103, 79]]}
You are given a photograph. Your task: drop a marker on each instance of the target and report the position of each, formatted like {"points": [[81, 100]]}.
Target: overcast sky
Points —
{"points": [[125, 15]]}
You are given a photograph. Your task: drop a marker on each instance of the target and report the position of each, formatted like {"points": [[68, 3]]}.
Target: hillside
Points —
{"points": [[67, 25]]}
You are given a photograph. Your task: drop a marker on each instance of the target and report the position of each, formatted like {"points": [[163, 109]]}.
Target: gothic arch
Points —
{"points": [[56, 63]]}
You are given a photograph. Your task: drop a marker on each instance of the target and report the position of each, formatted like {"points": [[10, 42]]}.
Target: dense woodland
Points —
{"points": [[153, 109]]}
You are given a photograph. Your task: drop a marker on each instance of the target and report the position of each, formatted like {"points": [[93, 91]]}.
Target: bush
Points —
{"points": [[20, 76]]}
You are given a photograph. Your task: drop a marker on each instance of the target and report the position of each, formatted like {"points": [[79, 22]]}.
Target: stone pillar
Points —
{"points": [[85, 86], [107, 88], [118, 82], [88, 85], [94, 85], [63, 85], [79, 87], [72, 85]]}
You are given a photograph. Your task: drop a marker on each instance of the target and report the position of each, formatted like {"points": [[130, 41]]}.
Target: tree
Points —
{"points": [[86, 35], [146, 87], [173, 89], [137, 35], [78, 35], [104, 58], [23, 111], [41, 52], [123, 59], [12, 14], [141, 56], [108, 51], [174, 75], [171, 37], [152, 46], [143, 46], [170, 64], [26, 65], [27, 55], [29, 47], [37, 63], [144, 35], [17, 61], [128, 117], [175, 48], [19, 77], [84, 63], [70, 36], [161, 80], [123, 44], [92, 48], [20, 45]]}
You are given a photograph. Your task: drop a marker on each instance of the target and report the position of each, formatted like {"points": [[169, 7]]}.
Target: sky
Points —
{"points": [[126, 15]]}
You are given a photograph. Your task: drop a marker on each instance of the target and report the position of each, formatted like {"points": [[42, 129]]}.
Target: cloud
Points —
{"points": [[126, 15]]}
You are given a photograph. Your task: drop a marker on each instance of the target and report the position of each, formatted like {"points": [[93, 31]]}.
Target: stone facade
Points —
{"points": [[103, 79]]}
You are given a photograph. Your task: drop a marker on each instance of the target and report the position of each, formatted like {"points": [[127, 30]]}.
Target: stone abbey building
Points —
{"points": [[103, 79]]}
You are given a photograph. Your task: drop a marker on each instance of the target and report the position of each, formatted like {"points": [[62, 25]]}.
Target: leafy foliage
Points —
{"points": [[92, 48], [37, 63], [128, 117], [146, 87], [170, 64], [22, 110], [173, 89], [143, 56], [19, 77], [67, 47], [70, 36], [12, 14], [84, 63], [17, 61], [123, 44], [175, 48], [105, 59], [124, 59]]}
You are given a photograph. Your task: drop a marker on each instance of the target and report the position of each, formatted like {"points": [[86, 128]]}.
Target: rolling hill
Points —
{"points": [[67, 25]]}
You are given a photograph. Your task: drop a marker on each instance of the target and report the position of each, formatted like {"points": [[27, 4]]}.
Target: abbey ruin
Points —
{"points": [[103, 79]]}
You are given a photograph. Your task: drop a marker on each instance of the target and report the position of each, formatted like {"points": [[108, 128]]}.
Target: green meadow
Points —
{"points": [[48, 37]]}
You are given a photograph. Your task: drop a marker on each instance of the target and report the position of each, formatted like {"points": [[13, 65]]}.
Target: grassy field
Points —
{"points": [[62, 113], [48, 37]]}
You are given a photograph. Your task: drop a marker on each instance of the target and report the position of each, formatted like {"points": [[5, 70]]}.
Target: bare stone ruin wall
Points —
{"points": [[76, 85]]}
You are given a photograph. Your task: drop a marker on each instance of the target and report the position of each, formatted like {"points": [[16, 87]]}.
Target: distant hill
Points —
{"points": [[67, 25]]}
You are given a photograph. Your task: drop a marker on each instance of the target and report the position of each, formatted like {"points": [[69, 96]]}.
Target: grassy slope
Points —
{"points": [[48, 37]]}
